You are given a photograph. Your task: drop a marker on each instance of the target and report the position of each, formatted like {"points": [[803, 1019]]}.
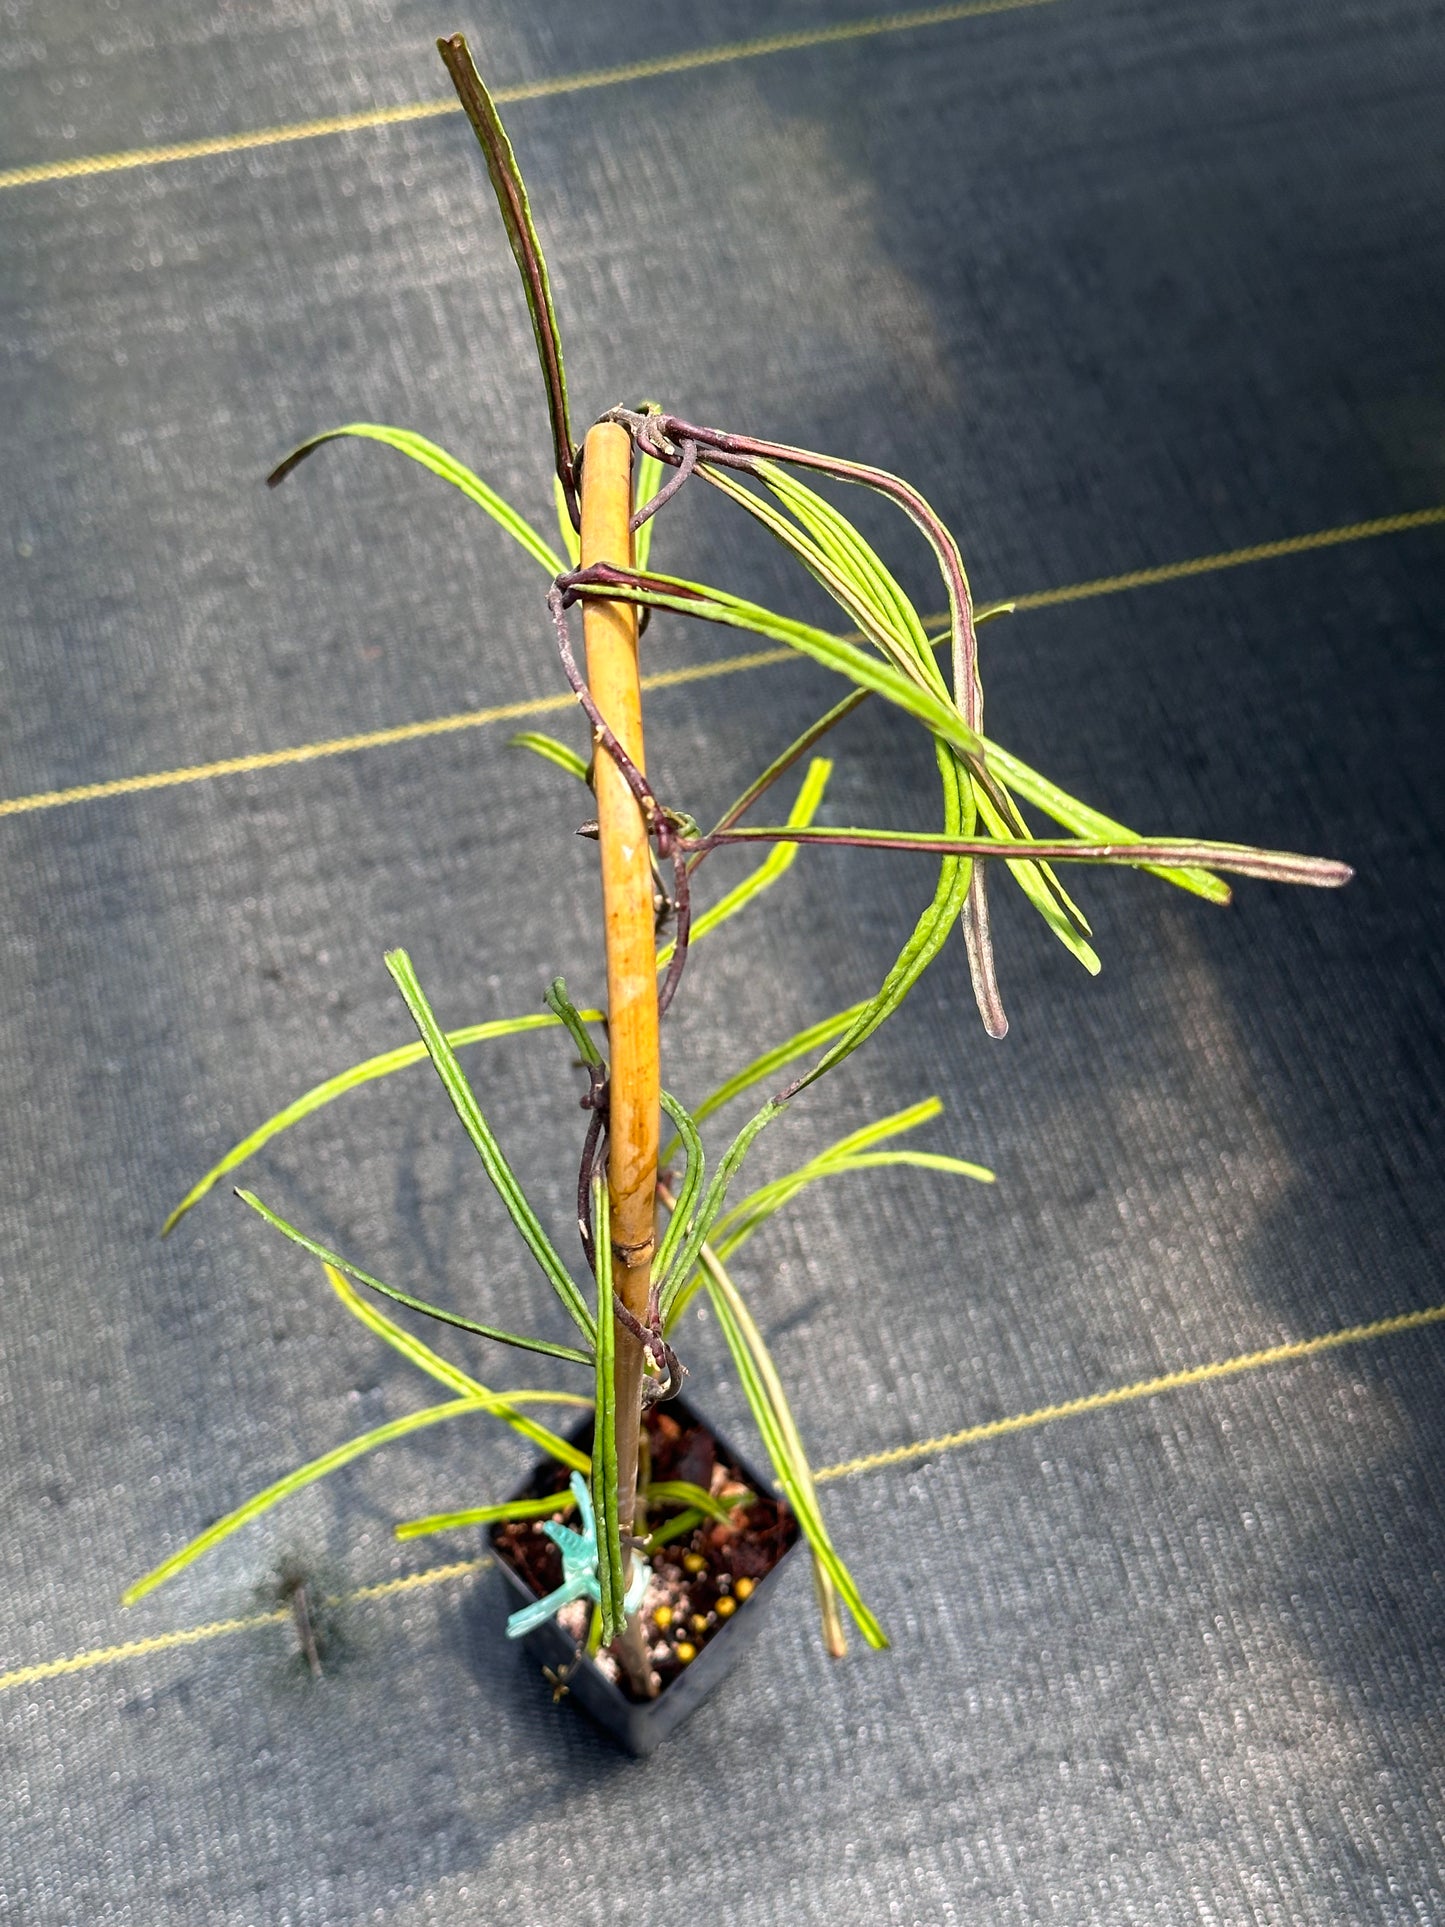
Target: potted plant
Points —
{"points": [[642, 1547]]}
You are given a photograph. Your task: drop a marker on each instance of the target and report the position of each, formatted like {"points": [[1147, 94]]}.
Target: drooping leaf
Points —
{"points": [[838, 537], [849, 588], [440, 463], [754, 451], [456, 1380], [437, 1312], [295, 1482], [331, 1088], [667, 1492], [551, 751]]}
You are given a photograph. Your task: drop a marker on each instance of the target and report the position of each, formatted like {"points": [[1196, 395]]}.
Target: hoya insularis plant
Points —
{"points": [[610, 490]]}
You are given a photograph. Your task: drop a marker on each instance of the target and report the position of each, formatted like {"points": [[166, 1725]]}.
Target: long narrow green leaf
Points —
{"points": [[683, 1492], [551, 751], [295, 1482], [611, 1572], [1086, 821], [687, 1137], [919, 1161], [441, 1315], [832, 652], [456, 1380], [931, 931], [773, 1416], [556, 999], [854, 596], [690, 1244], [778, 1058], [327, 1092], [442, 464], [844, 542], [729, 1241], [571, 540], [855, 1152], [485, 1515], [804, 809], [488, 1150], [511, 193]]}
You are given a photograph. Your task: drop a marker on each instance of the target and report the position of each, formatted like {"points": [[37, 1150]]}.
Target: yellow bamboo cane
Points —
{"points": [[634, 1115]]}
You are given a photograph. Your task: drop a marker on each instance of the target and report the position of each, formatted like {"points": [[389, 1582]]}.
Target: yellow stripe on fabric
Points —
{"points": [[849, 1468], [82, 165], [371, 739], [1235, 558], [219, 1628], [700, 672], [1142, 1388]]}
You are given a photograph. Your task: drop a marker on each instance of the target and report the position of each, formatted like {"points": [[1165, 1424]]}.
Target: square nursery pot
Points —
{"points": [[640, 1726]]}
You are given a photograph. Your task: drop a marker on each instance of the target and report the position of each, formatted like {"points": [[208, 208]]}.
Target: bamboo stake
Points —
{"points": [[634, 1108]]}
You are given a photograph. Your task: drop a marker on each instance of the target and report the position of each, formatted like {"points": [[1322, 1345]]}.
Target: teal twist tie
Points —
{"points": [[579, 1569]]}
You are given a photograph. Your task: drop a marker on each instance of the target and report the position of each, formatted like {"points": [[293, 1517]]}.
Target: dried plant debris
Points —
{"points": [[314, 1603]]}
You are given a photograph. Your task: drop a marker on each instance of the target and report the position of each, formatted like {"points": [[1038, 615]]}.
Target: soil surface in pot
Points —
{"points": [[699, 1580]]}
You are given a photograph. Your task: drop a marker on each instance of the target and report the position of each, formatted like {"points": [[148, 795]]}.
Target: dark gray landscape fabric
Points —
{"points": [[1119, 283]]}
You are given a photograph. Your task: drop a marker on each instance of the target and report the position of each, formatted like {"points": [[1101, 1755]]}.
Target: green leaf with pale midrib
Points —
{"points": [[294, 1482], [327, 1092], [774, 1420], [485, 1515], [775, 865], [611, 1572], [429, 455], [406, 1055], [551, 751], [452, 1376], [484, 1142], [437, 1312]]}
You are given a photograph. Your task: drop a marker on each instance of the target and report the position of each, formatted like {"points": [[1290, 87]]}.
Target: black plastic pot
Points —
{"points": [[640, 1727]]}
